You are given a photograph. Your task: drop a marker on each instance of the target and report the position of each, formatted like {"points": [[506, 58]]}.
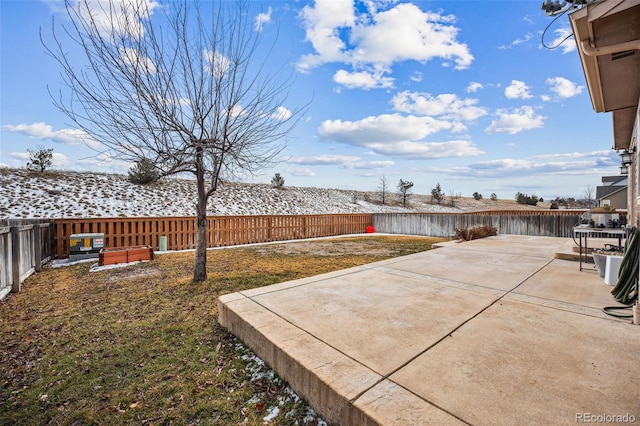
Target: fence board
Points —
{"points": [[25, 245], [181, 232], [536, 223], [6, 254]]}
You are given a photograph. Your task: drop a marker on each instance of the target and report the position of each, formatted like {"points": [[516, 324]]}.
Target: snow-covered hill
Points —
{"points": [[59, 194]]}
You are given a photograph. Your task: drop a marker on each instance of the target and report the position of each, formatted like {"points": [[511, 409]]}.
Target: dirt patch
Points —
{"points": [[326, 249], [330, 247], [130, 273]]}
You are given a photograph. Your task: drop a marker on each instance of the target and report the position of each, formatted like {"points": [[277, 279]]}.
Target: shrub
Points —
{"points": [[468, 234], [277, 181], [477, 196], [143, 172], [437, 195], [493, 197], [404, 191], [531, 200]]}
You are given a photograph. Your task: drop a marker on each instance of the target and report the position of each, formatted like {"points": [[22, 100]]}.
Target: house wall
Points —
{"points": [[634, 178], [619, 200]]}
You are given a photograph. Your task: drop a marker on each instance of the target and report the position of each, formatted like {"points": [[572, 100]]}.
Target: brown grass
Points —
{"points": [[141, 344]]}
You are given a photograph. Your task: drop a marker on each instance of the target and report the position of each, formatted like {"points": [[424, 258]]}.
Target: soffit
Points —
{"points": [[613, 79]]}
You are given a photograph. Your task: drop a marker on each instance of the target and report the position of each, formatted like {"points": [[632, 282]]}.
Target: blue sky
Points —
{"points": [[460, 93]]}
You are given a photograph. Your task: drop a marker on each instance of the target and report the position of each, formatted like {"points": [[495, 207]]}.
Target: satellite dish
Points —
{"points": [[553, 8]]}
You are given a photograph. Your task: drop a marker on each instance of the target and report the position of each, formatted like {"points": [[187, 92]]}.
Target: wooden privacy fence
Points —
{"points": [[25, 245], [550, 212], [536, 223], [180, 232]]}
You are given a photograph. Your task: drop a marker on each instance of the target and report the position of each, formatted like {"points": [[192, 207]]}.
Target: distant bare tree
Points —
{"points": [[184, 89], [588, 195], [383, 187]]}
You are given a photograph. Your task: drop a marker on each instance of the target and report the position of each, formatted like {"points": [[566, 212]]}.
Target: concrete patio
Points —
{"points": [[492, 331]]}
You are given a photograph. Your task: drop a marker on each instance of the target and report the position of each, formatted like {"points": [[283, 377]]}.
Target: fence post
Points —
{"points": [[36, 247], [15, 258]]}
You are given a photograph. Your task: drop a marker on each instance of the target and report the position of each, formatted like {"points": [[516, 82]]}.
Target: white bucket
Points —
{"points": [[601, 262], [612, 269]]}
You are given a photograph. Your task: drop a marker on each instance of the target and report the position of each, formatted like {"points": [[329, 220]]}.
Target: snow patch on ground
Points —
{"points": [[68, 194]]}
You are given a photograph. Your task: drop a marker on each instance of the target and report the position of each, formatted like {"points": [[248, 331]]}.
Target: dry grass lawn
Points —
{"points": [[141, 344]]}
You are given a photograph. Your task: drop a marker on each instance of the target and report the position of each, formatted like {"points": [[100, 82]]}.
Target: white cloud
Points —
{"points": [[444, 106], [516, 121], [517, 41], [306, 172], [474, 87], [554, 164], [349, 162], [517, 90], [116, 16], [58, 160], [104, 159], [282, 114], [323, 160], [322, 26], [363, 41], [383, 128], [373, 164], [563, 40], [218, 63], [135, 60], [597, 154], [417, 35], [362, 80], [564, 88], [44, 131], [426, 150], [238, 111], [416, 76], [262, 19], [397, 136]]}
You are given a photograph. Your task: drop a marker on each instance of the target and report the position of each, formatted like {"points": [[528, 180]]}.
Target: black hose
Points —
{"points": [[626, 289], [610, 310]]}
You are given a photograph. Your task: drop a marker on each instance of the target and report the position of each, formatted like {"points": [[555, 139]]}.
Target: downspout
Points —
{"points": [[589, 50]]}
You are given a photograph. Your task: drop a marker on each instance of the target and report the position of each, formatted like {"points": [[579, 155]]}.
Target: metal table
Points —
{"points": [[584, 231]]}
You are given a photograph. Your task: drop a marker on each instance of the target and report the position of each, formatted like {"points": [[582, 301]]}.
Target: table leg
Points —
{"points": [[580, 253]]}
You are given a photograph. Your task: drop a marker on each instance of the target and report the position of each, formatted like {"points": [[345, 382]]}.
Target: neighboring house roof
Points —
{"points": [[615, 180], [608, 191]]}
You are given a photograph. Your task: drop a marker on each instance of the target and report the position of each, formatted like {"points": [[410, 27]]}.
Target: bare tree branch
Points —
{"points": [[173, 85]]}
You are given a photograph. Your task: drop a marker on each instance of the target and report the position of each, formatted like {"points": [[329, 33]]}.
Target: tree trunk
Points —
{"points": [[200, 270]]}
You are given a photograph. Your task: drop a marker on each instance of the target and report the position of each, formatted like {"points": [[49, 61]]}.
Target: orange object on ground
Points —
{"points": [[114, 256]]}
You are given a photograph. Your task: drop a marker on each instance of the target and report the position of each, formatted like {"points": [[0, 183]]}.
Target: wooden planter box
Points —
{"points": [[114, 256]]}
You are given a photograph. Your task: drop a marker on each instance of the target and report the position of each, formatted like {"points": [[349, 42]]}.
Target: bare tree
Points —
{"points": [[383, 187], [588, 195], [184, 88]]}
